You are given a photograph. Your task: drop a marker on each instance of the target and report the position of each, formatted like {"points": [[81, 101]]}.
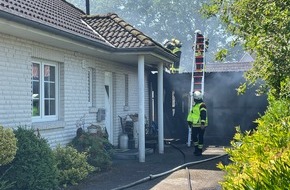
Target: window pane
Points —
{"points": [[49, 73], [35, 71], [49, 107], [52, 107], [35, 108], [49, 90], [35, 89]]}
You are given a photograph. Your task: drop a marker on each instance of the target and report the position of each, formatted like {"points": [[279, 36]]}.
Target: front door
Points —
{"points": [[109, 105]]}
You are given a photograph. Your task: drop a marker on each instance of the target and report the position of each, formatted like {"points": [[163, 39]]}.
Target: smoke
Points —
{"points": [[227, 109]]}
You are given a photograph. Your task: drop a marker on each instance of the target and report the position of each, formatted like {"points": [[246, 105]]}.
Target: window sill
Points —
{"points": [[47, 125]]}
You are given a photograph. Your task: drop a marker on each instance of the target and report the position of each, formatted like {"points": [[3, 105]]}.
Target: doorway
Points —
{"points": [[109, 104]]}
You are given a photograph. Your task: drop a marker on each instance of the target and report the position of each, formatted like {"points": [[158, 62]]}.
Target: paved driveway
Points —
{"points": [[159, 172]]}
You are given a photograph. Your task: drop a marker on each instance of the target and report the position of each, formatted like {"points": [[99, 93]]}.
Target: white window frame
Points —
{"points": [[42, 117]]}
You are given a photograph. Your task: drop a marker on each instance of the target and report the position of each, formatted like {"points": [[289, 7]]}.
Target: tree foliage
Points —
{"points": [[262, 26], [260, 159], [162, 20]]}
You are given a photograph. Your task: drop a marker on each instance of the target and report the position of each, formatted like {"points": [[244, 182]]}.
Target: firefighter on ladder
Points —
{"points": [[175, 47], [198, 121]]}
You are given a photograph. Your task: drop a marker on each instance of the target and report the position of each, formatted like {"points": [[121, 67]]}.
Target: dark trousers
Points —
{"points": [[197, 136]]}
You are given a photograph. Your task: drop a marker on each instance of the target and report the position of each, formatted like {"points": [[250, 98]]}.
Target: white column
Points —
{"points": [[160, 110], [141, 113]]}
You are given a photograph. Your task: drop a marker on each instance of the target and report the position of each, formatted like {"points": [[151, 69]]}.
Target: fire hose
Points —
{"points": [[154, 176]]}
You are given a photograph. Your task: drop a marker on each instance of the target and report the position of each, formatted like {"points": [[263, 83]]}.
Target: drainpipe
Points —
{"points": [[88, 7]]}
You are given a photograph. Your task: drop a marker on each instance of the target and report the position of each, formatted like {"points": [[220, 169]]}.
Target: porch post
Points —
{"points": [[160, 109], [141, 113]]}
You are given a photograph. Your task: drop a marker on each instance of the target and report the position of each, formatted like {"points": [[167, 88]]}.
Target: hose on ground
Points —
{"points": [[151, 177]]}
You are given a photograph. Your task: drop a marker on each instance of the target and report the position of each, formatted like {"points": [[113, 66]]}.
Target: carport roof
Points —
{"points": [[228, 67]]}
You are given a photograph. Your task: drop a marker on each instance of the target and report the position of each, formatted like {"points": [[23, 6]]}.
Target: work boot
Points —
{"points": [[198, 152]]}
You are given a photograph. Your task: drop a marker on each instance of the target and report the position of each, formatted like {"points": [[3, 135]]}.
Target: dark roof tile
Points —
{"points": [[63, 16], [54, 13], [132, 37]]}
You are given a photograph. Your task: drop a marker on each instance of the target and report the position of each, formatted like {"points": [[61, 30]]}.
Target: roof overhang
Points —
{"points": [[37, 32]]}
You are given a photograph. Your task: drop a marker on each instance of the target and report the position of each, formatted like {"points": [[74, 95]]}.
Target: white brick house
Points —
{"points": [[55, 70]]}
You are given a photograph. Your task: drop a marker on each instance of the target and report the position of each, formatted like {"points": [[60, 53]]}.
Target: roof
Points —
{"points": [[109, 29], [228, 67], [54, 13], [117, 32]]}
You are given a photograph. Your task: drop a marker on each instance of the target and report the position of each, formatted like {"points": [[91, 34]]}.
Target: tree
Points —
{"points": [[169, 19], [262, 27], [260, 158]]}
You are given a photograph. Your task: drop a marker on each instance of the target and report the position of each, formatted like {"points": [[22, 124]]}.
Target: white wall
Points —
{"points": [[16, 56]]}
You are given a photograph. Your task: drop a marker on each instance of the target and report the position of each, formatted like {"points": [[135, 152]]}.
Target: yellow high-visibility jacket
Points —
{"points": [[198, 115]]}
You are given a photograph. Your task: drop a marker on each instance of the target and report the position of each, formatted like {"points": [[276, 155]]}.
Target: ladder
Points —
{"points": [[198, 67]]}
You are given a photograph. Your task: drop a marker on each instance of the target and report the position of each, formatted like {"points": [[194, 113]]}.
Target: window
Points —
{"points": [[90, 85], [44, 91]]}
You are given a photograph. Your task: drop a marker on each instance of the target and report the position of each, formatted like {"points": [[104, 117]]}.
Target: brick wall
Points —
{"points": [[16, 56]]}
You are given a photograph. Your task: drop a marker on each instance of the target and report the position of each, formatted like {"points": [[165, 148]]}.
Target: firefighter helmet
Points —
{"points": [[176, 42], [197, 95]]}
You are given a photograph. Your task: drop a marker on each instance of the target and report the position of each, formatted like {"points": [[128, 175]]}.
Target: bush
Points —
{"points": [[260, 159], [98, 148], [7, 145], [34, 166], [8, 150], [72, 165]]}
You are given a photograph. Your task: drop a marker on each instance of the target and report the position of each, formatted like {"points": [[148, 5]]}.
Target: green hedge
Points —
{"points": [[261, 158], [34, 166]]}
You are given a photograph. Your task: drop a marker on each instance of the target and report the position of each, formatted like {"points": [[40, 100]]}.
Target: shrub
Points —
{"points": [[7, 145], [260, 160], [34, 166], [8, 150], [72, 165], [98, 148]]}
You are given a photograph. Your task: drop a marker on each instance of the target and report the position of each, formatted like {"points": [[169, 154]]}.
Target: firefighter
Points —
{"points": [[198, 121], [175, 47]]}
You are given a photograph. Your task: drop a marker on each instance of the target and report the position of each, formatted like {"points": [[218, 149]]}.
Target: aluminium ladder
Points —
{"points": [[197, 78]]}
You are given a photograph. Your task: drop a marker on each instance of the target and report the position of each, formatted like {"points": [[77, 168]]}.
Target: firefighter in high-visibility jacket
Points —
{"points": [[198, 121], [175, 47]]}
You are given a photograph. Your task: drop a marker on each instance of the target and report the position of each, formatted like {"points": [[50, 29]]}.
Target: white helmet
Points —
{"points": [[197, 95]]}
